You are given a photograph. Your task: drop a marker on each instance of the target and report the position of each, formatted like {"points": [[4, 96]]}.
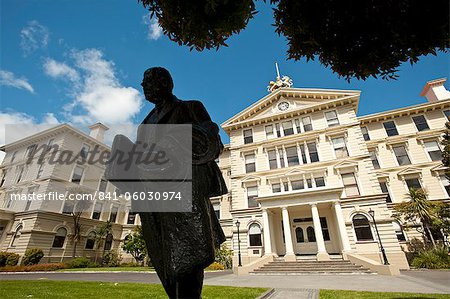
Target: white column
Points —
{"points": [[266, 231], [341, 225], [289, 256], [321, 250]]}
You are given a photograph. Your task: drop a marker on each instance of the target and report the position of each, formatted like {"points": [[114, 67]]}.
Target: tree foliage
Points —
{"points": [[446, 151], [354, 38], [134, 244]]}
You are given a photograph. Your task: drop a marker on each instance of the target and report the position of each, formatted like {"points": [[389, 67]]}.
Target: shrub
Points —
{"points": [[215, 266], [111, 259], [130, 265], [32, 268], [32, 256], [80, 262], [224, 256], [8, 258], [436, 258]]}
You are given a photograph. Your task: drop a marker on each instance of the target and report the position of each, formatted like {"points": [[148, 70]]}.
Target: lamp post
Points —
{"points": [[239, 244], [372, 214]]}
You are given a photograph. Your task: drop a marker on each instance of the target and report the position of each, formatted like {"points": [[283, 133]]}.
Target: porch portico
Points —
{"points": [[300, 226]]}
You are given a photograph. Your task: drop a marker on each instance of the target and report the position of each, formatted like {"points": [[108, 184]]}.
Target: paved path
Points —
{"points": [[428, 281], [294, 294]]}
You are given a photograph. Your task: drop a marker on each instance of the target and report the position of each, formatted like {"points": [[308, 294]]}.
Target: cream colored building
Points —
{"points": [[304, 170]]}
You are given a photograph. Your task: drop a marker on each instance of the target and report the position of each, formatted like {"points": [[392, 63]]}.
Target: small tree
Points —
{"points": [[77, 211], [100, 234], [418, 208], [134, 244], [446, 152]]}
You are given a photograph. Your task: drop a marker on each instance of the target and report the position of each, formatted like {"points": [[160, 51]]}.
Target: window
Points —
{"points": [[320, 181], [276, 188], [399, 231], [413, 183], [108, 242], [216, 208], [97, 210], [252, 193], [254, 235], [303, 153], [272, 155], [31, 190], [60, 238], [269, 132], [385, 190], [433, 150], [311, 234], [292, 156], [131, 217], [248, 136], [103, 184], [113, 214], [77, 174], [30, 150], [325, 232], [16, 236], [313, 154], [299, 235], [447, 114], [3, 178], [350, 184], [13, 156], [332, 119], [85, 151], [340, 149], [20, 170], [297, 185], [365, 133], [307, 125], [288, 128], [90, 241], [250, 165], [40, 170], [374, 159], [309, 183], [297, 125], [362, 228], [286, 186], [281, 155], [446, 184], [421, 123], [68, 207], [277, 128], [401, 155], [391, 129]]}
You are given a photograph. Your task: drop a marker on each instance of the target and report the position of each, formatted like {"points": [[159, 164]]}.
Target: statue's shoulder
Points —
{"points": [[193, 103]]}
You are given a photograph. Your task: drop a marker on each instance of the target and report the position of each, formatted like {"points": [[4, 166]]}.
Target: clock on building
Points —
{"points": [[283, 106]]}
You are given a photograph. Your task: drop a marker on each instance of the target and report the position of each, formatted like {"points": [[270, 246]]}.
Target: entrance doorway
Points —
{"points": [[304, 237]]}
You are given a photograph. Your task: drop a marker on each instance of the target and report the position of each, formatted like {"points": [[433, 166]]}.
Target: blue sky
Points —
{"points": [[82, 61]]}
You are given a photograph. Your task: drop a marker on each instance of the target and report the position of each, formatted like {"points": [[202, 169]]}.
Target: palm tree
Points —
{"points": [[418, 208], [100, 233]]}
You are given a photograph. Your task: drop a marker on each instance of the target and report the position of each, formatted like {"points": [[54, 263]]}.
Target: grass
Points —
{"points": [[47, 289], [334, 294], [109, 269]]}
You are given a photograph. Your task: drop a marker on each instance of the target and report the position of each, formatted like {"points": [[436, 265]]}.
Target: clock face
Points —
{"points": [[283, 106]]}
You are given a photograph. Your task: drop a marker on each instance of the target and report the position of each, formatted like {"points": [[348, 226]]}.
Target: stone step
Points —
{"points": [[310, 263], [314, 273], [310, 268]]}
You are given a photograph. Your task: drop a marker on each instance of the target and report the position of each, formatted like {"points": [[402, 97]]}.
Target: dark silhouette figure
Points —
{"points": [[181, 245]]}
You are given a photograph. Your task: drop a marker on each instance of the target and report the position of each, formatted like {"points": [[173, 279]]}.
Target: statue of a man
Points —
{"points": [[181, 245]]}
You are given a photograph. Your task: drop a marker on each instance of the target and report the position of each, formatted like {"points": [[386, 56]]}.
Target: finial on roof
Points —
{"points": [[284, 81]]}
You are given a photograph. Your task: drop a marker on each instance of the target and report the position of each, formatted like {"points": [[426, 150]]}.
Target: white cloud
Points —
{"points": [[154, 30], [9, 79], [33, 36], [57, 69], [99, 94]]}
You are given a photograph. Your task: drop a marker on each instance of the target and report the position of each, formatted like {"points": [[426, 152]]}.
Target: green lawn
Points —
{"points": [[48, 289], [334, 294], [113, 269]]}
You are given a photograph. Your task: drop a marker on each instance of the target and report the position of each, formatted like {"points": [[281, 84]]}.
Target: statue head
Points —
{"points": [[157, 85]]}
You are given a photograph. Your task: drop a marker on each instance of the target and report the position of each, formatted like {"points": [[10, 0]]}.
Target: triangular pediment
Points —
{"points": [[439, 168], [287, 101], [346, 164], [250, 178], [409, 170]]}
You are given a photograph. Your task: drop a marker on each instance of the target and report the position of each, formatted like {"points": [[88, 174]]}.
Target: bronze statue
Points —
{"points": [[182, 244]]}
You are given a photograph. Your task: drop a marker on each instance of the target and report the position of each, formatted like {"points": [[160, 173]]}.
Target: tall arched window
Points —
{"points": [[90, 241], [16, 235], [254, 234], [399, 231], [299, 235], [311, 234], [60, 237], [108, 241], [362, 228]]}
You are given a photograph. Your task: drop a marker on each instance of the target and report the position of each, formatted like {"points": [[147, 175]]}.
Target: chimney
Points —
{"points": [[434, 90], [98, 131]]}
